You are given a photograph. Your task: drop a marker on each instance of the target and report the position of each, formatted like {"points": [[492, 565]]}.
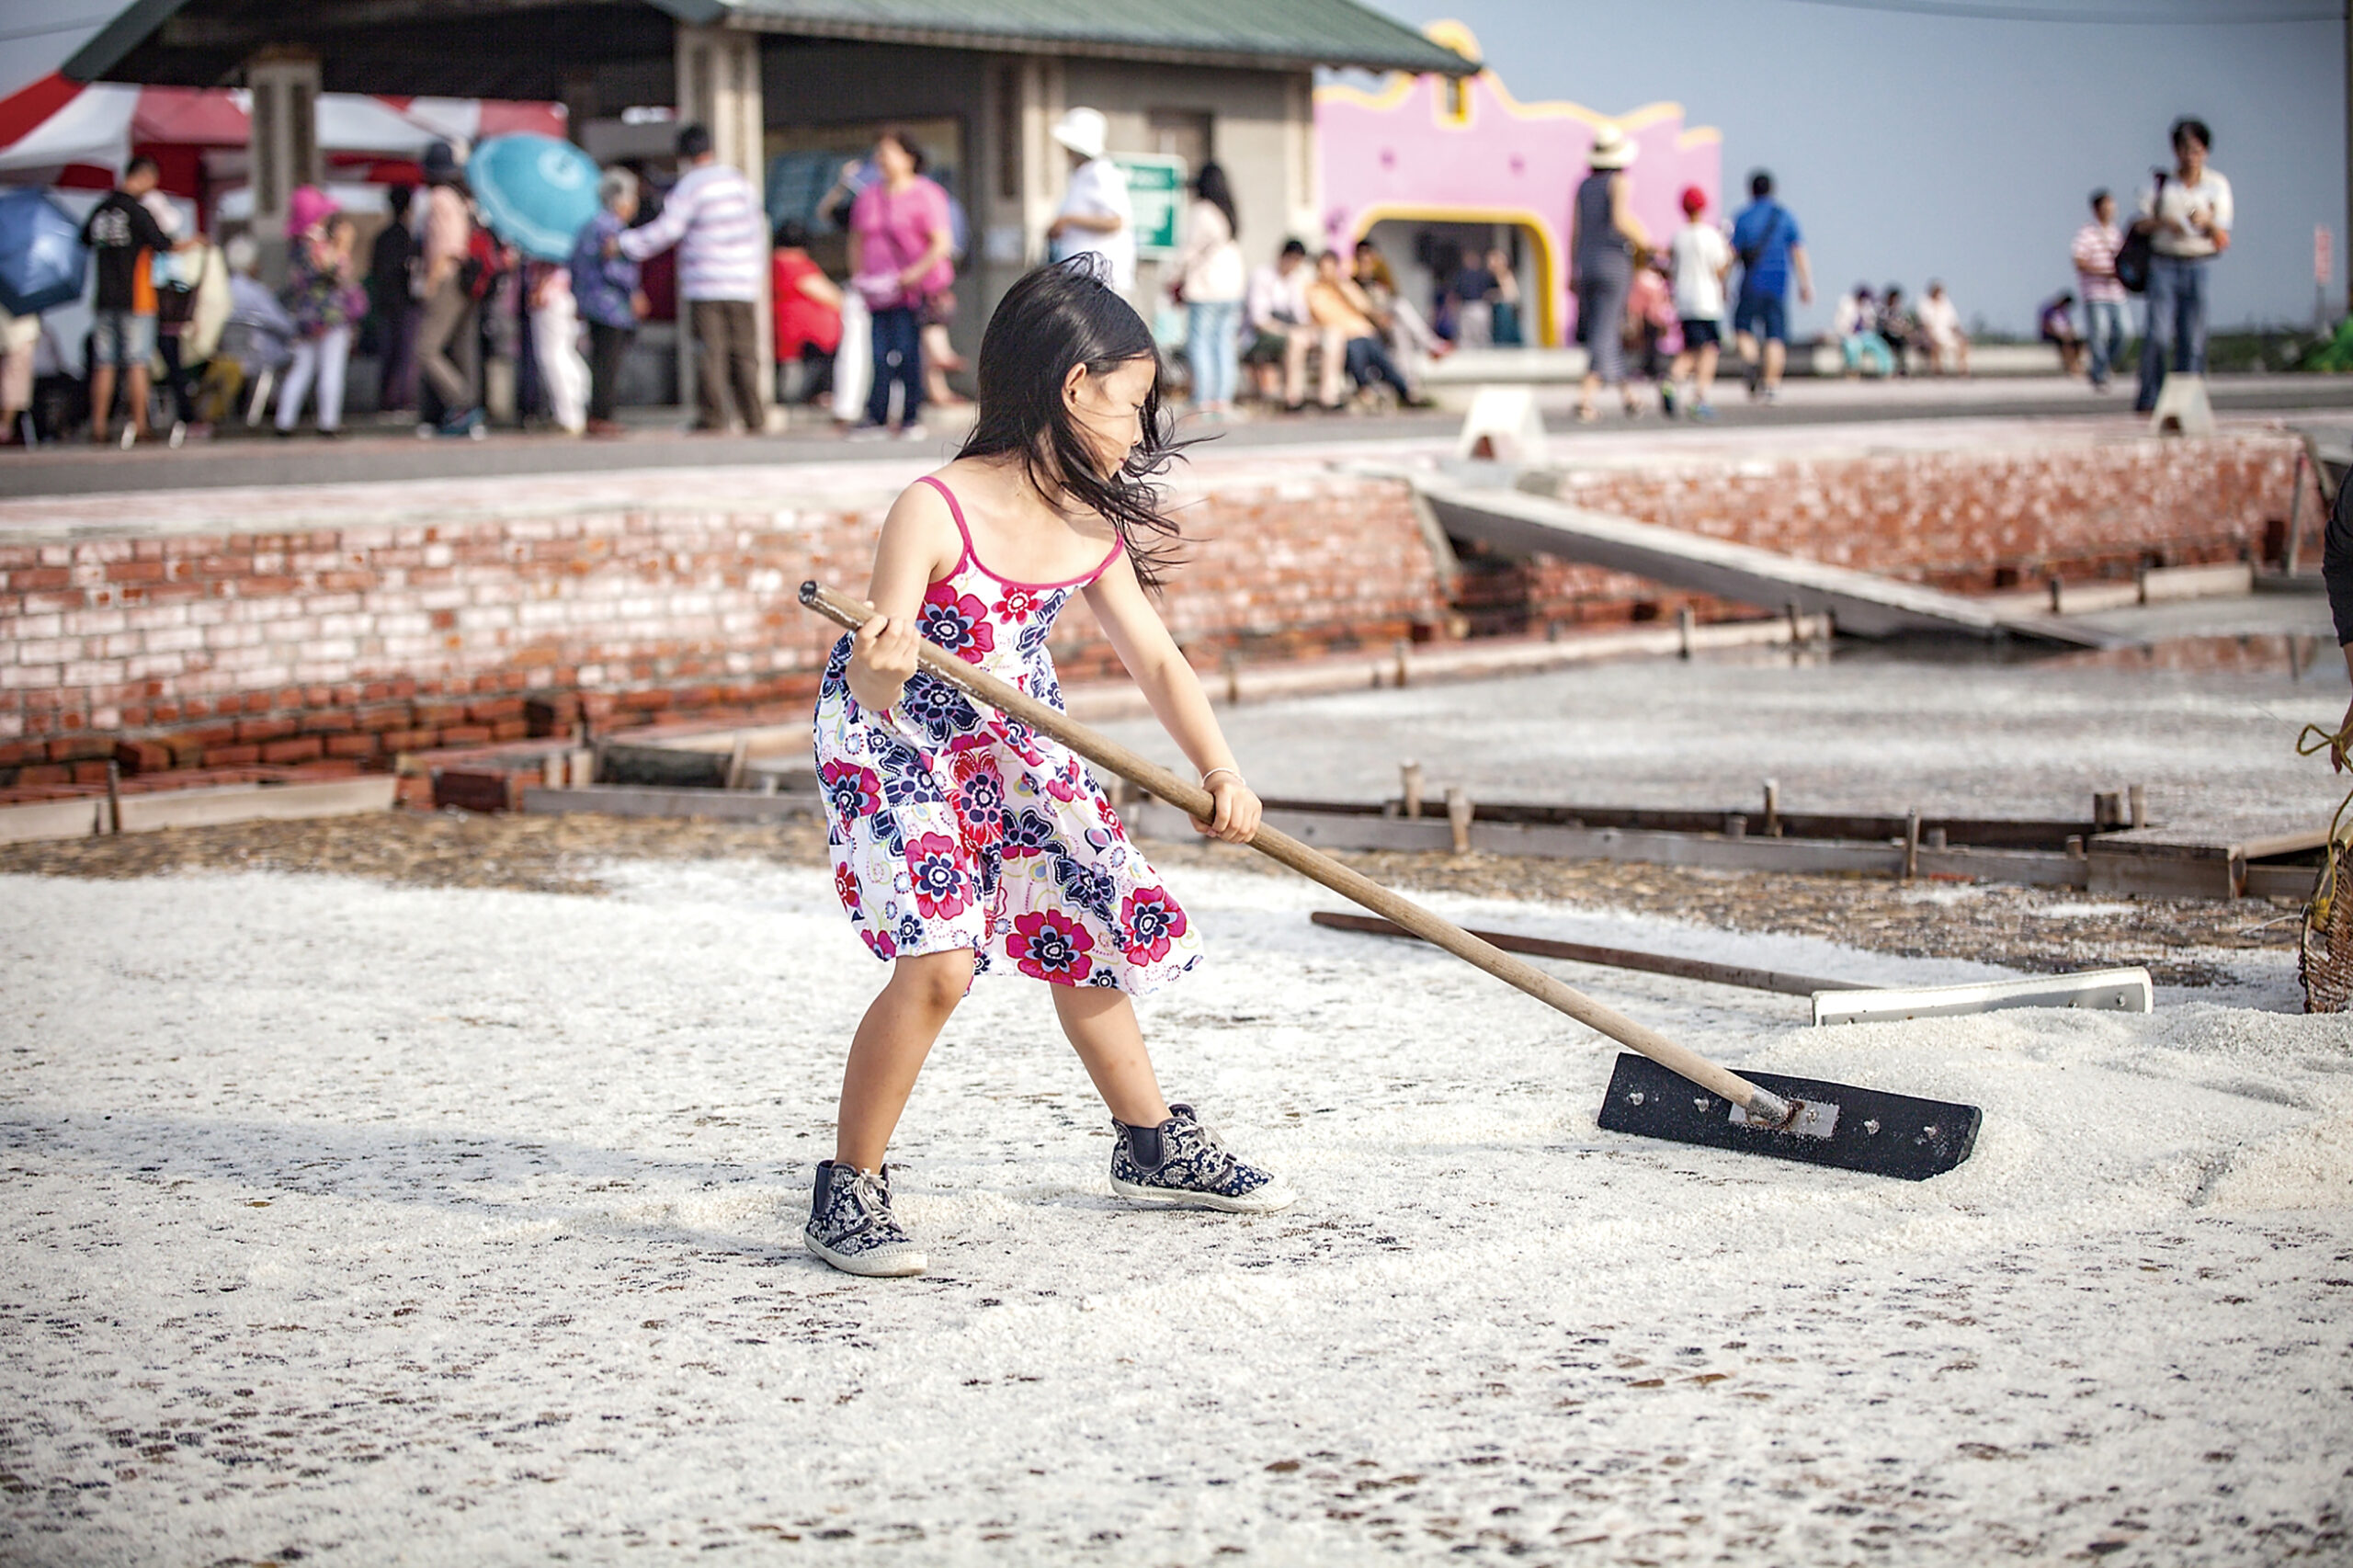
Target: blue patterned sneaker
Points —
{"points": [[850, 1225], [1181, 1164]]}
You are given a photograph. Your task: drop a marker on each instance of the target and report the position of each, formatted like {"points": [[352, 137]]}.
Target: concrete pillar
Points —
{"points": [[1045, 166], [1302, 176], [581, 104], [719, 85], [284, 146]]}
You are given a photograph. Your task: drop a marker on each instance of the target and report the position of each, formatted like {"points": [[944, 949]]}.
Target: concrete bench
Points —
{"points": [[1819, 357]]}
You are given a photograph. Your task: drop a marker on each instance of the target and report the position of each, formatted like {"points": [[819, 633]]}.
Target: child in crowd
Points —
{"points": [[555, 342], [324, 299], [1702, 257], [2055, 323], [963, 839]]}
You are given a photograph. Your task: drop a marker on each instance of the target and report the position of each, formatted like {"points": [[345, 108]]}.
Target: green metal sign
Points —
{"points": [[1156, 190]]}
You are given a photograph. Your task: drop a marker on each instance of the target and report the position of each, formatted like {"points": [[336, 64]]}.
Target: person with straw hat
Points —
{"points": [[1096, 213], [1605, 241]]}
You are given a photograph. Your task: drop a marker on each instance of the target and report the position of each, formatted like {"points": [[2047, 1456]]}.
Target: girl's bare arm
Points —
{"points": [[1178, 700], [919, 544]]}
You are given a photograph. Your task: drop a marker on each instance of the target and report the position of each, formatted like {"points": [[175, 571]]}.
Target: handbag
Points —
{"points": [[2132, 255], [881, 291], [1750, 255]]}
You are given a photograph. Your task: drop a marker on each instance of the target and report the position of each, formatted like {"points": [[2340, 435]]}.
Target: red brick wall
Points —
{"points": [[355, 643], [342, 646], [1972, 521]]}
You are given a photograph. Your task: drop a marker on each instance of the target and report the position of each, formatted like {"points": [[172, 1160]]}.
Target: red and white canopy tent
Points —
{"points": [[62, 132]]}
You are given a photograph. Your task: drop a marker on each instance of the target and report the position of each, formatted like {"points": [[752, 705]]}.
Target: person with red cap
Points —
{"points": [[1702, 257]]}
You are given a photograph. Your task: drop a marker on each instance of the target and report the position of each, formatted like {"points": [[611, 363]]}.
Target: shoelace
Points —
{"points": [[872, 1199], [1210, 1155]]}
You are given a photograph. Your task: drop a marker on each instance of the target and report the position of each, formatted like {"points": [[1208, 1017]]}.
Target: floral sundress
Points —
{"points": [[951, 826]]}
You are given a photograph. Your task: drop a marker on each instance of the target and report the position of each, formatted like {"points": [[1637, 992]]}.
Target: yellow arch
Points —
{"points": [[1552, 278]]}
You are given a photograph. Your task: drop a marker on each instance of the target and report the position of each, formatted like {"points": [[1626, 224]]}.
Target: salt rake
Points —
{"points": [[1767, 1113]]}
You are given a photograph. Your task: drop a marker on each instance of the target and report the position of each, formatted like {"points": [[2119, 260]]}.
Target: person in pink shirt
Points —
{"points": [[900, 242]]}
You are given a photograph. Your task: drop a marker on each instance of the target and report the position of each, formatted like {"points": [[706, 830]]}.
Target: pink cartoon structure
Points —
{"points": [[1445, 152]]}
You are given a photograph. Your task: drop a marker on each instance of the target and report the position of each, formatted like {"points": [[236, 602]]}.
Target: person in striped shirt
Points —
{"points": [[715, 219], [2095, 254]]}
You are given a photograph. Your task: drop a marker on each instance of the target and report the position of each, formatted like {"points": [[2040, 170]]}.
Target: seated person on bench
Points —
{"points": [[257, 340], [1344, 316]]}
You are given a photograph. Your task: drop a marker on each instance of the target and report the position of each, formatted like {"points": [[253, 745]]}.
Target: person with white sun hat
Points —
{"points": [[1605, 241], [1097, 213]]}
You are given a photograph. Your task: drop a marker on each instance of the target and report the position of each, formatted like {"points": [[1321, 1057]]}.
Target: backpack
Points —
{"points": [[479, 273], [2132, 255]]}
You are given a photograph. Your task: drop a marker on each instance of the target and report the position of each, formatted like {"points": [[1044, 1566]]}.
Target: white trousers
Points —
{"points": [[555, 338], [853, 361], [325, 357]]}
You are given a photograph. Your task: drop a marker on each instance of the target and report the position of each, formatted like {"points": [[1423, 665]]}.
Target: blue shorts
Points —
{"points": [[1762, 315], [120, 338], [1699, 333]]}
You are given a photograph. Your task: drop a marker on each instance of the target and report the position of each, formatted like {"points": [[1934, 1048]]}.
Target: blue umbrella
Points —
{"points": [[536, 192], [42, 258]]}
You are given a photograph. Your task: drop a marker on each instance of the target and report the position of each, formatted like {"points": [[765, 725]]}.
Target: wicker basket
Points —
{"points": [[2325, 957]]}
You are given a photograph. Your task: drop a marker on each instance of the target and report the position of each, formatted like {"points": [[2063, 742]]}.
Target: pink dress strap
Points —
{"points": [[973, 557], [1117, 544], [957, 512]]}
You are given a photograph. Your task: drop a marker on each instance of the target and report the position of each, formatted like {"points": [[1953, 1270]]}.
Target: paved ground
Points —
{"points": [[392, 452], [756, 476]]}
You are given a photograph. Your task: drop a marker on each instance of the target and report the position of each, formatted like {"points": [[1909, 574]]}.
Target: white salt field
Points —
{"points": [[350, 1223], [356, 1223]]}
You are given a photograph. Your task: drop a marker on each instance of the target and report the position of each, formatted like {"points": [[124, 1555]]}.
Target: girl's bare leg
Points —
{"points": [[888, 1050], [1101, 1024]]}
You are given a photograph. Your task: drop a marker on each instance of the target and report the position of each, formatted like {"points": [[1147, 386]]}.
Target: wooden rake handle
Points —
{"points": [[1314, 865]]}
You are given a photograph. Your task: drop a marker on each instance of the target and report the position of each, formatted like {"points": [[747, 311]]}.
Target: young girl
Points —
{"points": [[961, 838]]}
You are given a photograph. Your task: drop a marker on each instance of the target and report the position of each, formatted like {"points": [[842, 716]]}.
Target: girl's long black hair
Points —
{"points": [[1211, 185], [1056, 317]]}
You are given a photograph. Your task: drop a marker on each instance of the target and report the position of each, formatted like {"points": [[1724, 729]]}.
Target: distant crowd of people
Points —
{"points": [[2184, 222], [1647, 312], [443, 302], [1884, 333], [1666, 313]]}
